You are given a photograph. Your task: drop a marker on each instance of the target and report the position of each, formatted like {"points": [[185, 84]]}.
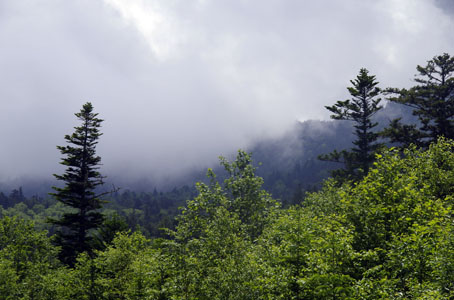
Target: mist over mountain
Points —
{"points": [[181, 82], [289, 163], [226, 149], [446, 5]]}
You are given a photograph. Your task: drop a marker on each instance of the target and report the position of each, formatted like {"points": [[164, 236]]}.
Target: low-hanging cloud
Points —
{"points": [[180, 82]]}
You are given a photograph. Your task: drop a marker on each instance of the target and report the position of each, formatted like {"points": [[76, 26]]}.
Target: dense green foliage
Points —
{"points": [[386, 235], [360, 109], [389, 236], [144, 211]]}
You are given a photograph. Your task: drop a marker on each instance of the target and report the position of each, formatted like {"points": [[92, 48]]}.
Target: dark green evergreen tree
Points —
{"points": [[360, 110], [81, 179], [112, 226], [432, 101]]}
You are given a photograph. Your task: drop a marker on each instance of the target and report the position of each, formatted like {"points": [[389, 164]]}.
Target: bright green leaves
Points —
{"points": [[127, 269], [388, 236], [399, 224], [242, 195], [215, 265], [9, 280], [309, 257], [401, 212], [26, 259], [212, 253], [247, 199]]}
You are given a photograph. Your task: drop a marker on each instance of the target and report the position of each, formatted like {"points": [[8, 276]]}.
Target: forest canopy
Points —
{"points": [[390, 236], [386, 234]]}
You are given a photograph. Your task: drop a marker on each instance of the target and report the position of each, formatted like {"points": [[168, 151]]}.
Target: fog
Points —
{"points": [[180, 82]]}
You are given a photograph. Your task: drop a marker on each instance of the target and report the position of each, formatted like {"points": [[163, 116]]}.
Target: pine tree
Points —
{"points": [[81, 179], [432, 100], [359, 109]]}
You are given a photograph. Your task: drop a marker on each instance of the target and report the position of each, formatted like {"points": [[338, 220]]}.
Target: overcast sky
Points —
{"points": [[180, 82]]}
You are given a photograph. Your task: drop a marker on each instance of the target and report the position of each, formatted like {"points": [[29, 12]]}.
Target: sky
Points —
{"points": [[180, 82]]}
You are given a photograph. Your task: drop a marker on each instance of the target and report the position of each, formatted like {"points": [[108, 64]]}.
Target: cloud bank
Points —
{"points": [[181, 82]]}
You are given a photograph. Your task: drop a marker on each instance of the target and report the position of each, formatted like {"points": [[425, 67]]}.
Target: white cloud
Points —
{"points": [[155, 27], [181, 81]]}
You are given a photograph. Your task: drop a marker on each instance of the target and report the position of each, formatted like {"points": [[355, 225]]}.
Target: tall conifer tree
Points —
{"points": [[432, 100], [81, 179], [360, 110]]}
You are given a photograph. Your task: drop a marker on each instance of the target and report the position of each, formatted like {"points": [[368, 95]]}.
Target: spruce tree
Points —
{"points": [[432, 101], [81, 180], [360, 109]]}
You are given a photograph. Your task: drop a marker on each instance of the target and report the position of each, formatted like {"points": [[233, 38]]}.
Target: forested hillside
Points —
{"points": [[381, 227], [388, 236]]}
